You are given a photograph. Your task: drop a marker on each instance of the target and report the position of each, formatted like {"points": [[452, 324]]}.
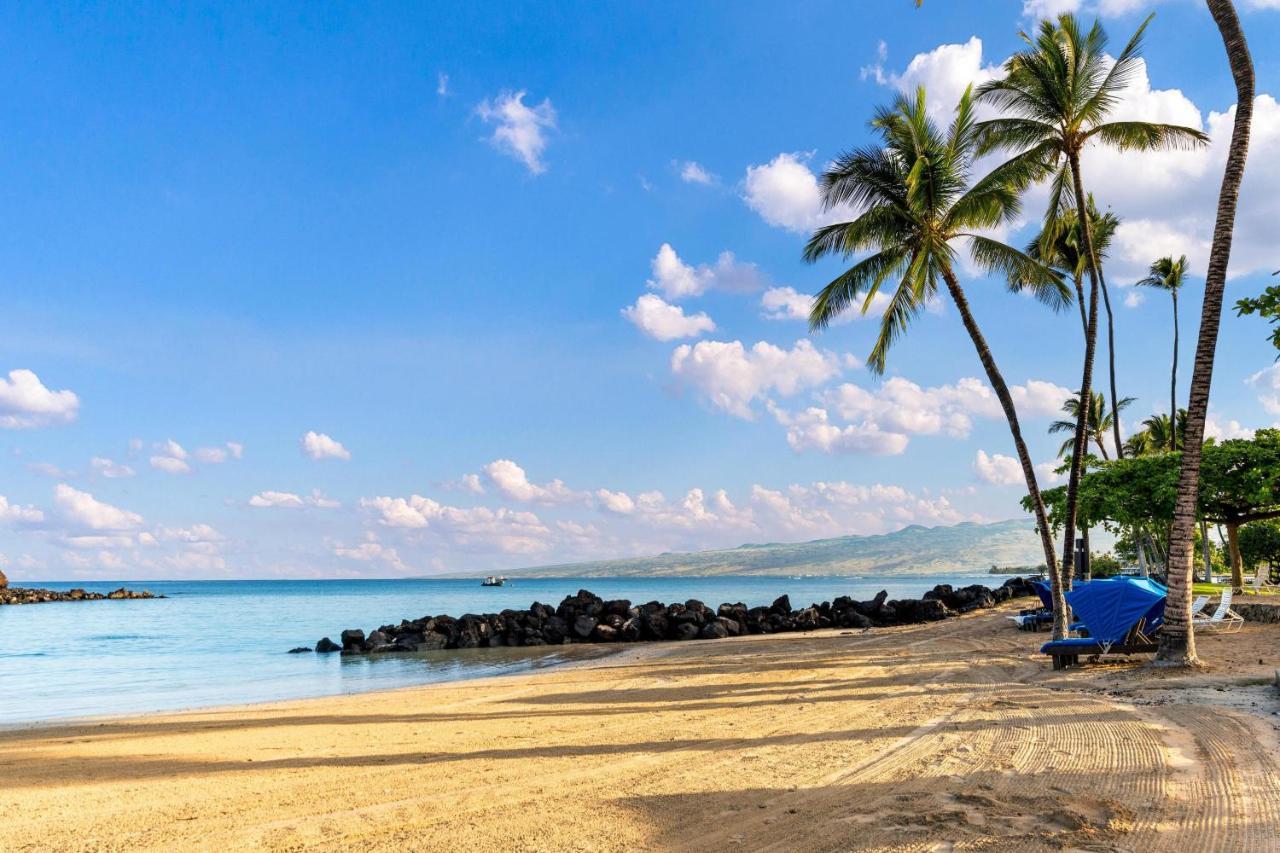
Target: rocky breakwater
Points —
{"points": [[587, 618], [19, 595]]}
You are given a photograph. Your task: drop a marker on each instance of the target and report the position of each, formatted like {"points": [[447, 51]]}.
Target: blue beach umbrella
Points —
{"points": [[1110, 607]]}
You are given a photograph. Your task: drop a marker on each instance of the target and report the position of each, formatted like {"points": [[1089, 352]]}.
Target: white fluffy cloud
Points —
{"points": [[318, 445], [1267, 383], [900, 405], [732, 377], [512, 481], [18, 514], [786, 194], [998, 469], [289, 500], [666, 322], [369, 551], [110, 469], [218, 455], [81, 509], [693, 173], [786, 303], [521, 130], [880, 421], [510, 531], [1221, 430], [812, 429], [26, 403], [619, 503], [678, 280]]}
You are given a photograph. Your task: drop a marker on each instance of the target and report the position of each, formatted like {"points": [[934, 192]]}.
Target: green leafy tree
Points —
{"points": [[1169, 275], [1177, 640], [1266, 306], [1057, 97], [1259, 544], [915, 199]]}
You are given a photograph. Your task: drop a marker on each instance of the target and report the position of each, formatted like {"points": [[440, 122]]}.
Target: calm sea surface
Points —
{"points": [[225, 642]]}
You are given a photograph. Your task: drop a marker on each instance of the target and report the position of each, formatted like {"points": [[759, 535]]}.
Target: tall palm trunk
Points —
{"points": [[1173, 381], [1111, 357], [1206, 551], [1086, 380], [1177, 639], [1084, 319], [1024, 458]]}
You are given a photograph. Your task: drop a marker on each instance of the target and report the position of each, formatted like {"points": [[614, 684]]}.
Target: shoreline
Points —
{"points": [[953, 731]]}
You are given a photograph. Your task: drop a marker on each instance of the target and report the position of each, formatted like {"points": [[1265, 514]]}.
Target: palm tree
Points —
{"points": [[1168, 275], [1057, 95], [1059, 245], [915, 199], [1062, 241], [1159, 435], [1177, 641], [1099, 421]]}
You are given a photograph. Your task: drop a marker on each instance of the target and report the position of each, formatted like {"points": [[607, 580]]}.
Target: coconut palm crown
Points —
{"points": [[915, 200], [1099, 418], [1056, 97]]}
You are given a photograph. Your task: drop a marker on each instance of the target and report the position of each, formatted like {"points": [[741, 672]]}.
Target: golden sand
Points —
{"points": [[948, 736]]}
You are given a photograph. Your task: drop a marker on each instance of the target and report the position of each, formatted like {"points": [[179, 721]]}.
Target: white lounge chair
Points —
{"points": [[1198, 605], [1260, 580], [1224, 619]]}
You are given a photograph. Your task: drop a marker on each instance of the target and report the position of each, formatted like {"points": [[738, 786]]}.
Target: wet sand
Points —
{"points": [[948, 736]]}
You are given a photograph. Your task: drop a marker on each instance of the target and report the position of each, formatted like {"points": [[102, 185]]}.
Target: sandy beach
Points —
{"points": [[947, 736]]}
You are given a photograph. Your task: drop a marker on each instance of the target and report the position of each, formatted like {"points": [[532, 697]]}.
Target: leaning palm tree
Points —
{"points": [[915, 200], [1168, 275], [1177, 641], [1056, 97], [1098, 418]]}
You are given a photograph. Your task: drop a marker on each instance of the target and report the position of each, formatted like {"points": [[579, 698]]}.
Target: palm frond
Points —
{"points": [[1147, 136], [861, 280], [1021, 271]]}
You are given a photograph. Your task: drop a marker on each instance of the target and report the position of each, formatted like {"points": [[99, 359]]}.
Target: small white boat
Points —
{"points": [[493, 580]]}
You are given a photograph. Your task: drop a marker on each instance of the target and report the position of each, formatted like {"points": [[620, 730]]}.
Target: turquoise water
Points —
{"points": [[225, 642]]}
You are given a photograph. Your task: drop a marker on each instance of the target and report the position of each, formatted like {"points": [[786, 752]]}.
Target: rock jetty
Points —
{"points": [[18, 595], [587, 618]]}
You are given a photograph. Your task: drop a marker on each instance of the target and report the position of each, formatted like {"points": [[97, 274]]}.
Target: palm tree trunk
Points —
{"points": [[1084, 319], [1177, 639], [1206, 551], [1028, 469], [1086, 380], [1111, 357], [1173, 382], [1237, 564], [1142, 552]]}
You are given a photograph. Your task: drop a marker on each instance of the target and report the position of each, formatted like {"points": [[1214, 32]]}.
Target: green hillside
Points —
{"points": [[913, 550]]}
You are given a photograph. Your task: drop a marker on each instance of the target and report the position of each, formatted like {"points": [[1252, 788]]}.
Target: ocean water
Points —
{"points": [[225, 642]]}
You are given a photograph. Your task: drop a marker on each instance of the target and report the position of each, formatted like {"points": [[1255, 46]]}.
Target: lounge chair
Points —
{"points": [[1260, 580], [1224, 620], [1198, 605], [1068, 652]]}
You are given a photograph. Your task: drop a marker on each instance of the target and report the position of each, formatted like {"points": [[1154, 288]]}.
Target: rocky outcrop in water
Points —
{"points": [[587, 618], [18, 595]]}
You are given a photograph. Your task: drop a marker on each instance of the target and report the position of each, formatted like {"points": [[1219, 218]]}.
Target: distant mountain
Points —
{"points": [[912, 550]]}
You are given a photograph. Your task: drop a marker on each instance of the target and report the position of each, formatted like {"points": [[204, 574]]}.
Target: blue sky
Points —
{"points": [[413, 230]]}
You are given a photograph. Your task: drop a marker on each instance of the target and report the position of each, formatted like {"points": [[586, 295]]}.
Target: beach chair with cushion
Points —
{"points": [[1224, 620], [1121, 615]]}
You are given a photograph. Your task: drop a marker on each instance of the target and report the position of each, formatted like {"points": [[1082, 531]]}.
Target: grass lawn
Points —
{"points": [[1216, 589]]}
